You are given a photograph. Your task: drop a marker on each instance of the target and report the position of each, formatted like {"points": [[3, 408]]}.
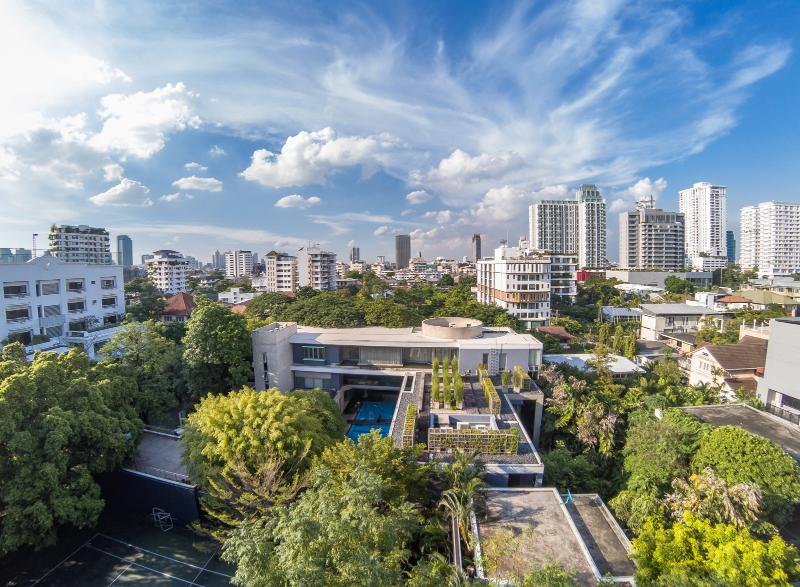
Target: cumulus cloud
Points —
{"points": [[297, 201], [138, 124], [440, 216], [196, 166], [642, 189], [461, 173], [113, 172], [381, 231], [127, 193], [217, 151], [310, 157], [201, 184], [175, 197], [417, 197]]}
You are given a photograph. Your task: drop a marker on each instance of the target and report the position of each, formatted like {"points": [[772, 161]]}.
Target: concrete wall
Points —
{"points": [[783, 354], [272, 342]]}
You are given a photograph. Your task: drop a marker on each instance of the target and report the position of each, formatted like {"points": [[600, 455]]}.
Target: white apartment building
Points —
{"points": [[517, 280], [651, 238], [238, 264], [704, 206], [317, 268], [235, 295], [572, 227], [48, 297], [280, 274], [770, 238], [564, 276], [80, 244], [168, 271]]}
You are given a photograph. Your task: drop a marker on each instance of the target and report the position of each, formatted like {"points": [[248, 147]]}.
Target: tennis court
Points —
{"points": [[141, 556]]}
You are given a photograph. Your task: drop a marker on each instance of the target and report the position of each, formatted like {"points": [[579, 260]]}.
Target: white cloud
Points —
{"points": [[417, 197], [406, 212], [351, 243], [197, 166], [127, 193], [441, 216], [138, 124], [297, 201], [174, 197], [462, 173], [381, 231], [202, 184], [310, 157], [217, 151], [113, 172], [643, 188]]}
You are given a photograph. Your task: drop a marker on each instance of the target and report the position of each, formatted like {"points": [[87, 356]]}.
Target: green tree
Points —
{"points": [[216, 349], [676, 285], [698, 552], [248, 450], [635, 508], [268, 305], [570, 324], [148, 303], [63, 420], [145, 354], [325, 310], [565, 470], [549, 575], [388, 313], [740, 457]]}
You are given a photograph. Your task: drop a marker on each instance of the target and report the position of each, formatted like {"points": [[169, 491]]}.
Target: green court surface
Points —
{"points": [[140, 555]]}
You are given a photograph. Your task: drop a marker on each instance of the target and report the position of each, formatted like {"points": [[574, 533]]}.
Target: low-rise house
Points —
{"points": [[729, 366], [732, 302], [762, 299], [619, 366], [614, 315], [558, 332], [235, 295], [178, 308], [668, 321]]}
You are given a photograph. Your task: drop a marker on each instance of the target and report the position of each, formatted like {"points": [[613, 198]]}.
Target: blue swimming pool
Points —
{"points": [[357, 430], [375, 412]]}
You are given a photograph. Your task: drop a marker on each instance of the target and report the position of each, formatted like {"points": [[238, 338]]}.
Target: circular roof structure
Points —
{"points": [[452, 328]]}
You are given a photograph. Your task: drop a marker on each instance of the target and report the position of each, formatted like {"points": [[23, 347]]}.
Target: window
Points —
{"points": [[75, 285], [109, 302], [314, 353], [17, 314], [108, 283], [15, 290], [790, 402], [76, 306]]}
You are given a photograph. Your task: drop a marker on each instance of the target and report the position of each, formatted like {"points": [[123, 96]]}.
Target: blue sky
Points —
{"points": [[202, 127]]}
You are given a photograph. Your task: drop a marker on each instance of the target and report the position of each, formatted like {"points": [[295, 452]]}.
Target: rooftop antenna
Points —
{"points": [[35, 234]]}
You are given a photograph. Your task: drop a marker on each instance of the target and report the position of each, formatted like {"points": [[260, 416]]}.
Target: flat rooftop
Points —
{"points": [[544, 531], [160, 455], [411, 336], [618, 365], [783, 433], [676, 310]]}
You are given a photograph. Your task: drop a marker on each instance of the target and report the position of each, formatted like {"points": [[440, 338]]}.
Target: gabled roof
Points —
{"points": [[749, 353], [760, 296], [733, 300], [181, 304], [558, 332]]}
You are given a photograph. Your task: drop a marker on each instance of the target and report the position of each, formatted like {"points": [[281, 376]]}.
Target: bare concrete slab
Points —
{"points": [[782, 433], [602, 535], [160, 455]]}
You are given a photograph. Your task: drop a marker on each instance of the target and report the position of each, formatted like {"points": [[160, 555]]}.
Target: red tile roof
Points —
{"points": [[181, 304], [733, 300], [558, 332]]}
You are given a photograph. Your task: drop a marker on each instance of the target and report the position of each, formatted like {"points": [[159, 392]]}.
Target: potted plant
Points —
{"points": [[505, 379]]}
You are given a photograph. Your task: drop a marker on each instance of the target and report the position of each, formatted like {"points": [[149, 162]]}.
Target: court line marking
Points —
{"points": [[65, 559], [125, 570], [204, 566], [145, 567], [159, 555]]}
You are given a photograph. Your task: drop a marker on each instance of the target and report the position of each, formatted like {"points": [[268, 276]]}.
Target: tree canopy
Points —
{"points": [[63, 420], [148, 302]]}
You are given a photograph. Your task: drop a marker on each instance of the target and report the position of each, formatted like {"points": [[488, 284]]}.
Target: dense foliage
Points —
{"points": [[148, 303], [63, 420]]}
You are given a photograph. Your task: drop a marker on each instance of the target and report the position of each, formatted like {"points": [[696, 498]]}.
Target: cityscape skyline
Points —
{"points": [[202, 175]]}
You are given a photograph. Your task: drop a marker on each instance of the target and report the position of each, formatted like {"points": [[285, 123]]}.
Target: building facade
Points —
{"points": [[476, 248], [402, 250], [651, 238], [563, 276], [730, 241], [218, 261], [80, 244], [355, 254], [48, 297], [238, 264], [779, 390], [317, 268], [704, 206], [572, 227], [168, 271], [518, 281], [124, 251], [770, 238], [280, 274]]}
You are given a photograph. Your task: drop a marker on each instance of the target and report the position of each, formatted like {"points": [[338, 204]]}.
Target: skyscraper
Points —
{"points": [[402, 250], [238, 264], [572, 227], [218, 260], [124, 250], [770, 238], [355, 254], [730, 241], [651, 238], [705, 206], [476, 247]]}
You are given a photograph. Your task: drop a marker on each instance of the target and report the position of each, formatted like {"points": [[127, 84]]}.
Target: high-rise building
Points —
{"points": [[18, 256], [80, 244], [317, 268], [402, 250], [168, 270], [355, 254], [49, 297], [238, 264], [124, 250], [218, 261], [572, 227], [280, 274], [651, 238], [519, 282], [564, 277], [704, 206], [730, 242], [770, 238], [146, 257], [476, 247]]}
